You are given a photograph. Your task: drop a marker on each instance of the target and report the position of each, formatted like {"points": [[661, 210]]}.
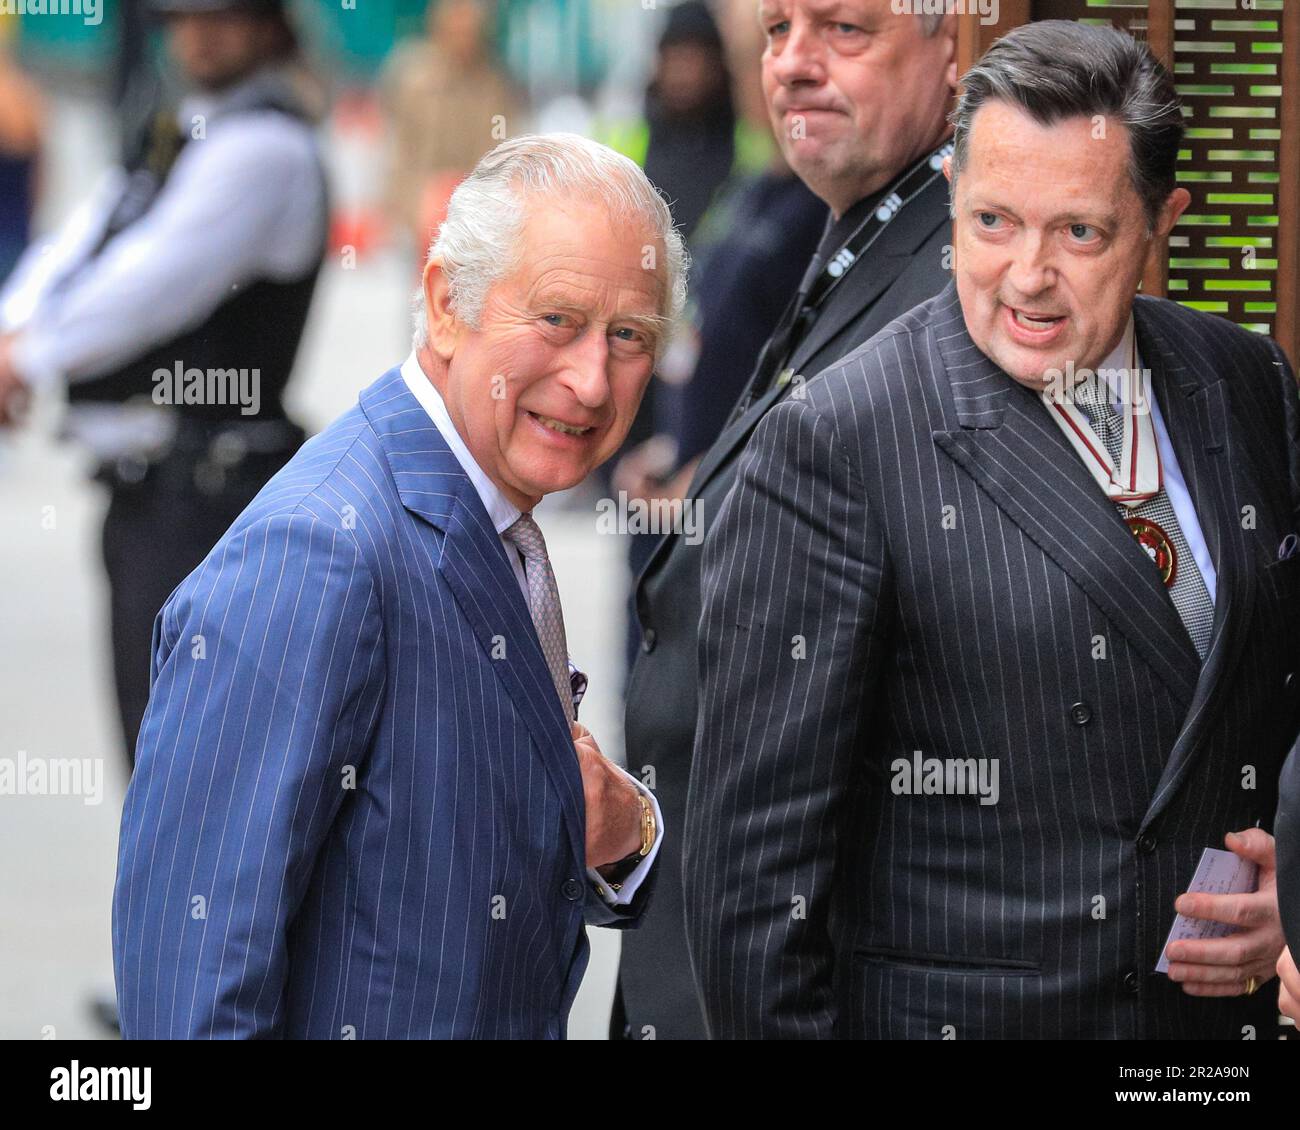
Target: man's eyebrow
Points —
{"points": [[1100, 219], [656, 324], [551, 301]]}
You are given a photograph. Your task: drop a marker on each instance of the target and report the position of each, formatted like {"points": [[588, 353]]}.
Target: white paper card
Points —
{"points": [[1219, 873]]}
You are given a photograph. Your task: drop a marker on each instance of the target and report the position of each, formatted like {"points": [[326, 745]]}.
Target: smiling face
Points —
{"points": [[856, 92], [1050, 239], [544, 391]]}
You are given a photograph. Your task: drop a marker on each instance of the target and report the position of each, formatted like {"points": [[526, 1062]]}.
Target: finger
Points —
{"points": [[1237, 949], [1183, 973], [1207, 974], [1246, 910], [1254, 844], [1287, 971], [1287, 1004], [1200, 989]]}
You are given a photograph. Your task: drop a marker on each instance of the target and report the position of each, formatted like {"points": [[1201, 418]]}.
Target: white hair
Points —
{"points": [[477, 244]]}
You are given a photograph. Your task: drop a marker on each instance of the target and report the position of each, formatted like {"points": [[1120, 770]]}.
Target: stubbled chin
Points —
{"points": [[1016, 360]]}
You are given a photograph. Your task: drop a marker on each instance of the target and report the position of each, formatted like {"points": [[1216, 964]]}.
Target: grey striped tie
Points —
{"points": [[544, 601], [1190, 596]]}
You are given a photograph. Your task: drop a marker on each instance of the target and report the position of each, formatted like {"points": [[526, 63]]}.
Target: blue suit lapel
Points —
{"points": [[472, 562]]}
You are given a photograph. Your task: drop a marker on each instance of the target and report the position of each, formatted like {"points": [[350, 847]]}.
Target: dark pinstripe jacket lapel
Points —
{"points": [[1215, 467], [1008, 444], [472, 561]]}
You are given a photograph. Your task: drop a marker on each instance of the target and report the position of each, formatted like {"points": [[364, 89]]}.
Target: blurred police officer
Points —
{"points": [[172, 304]]}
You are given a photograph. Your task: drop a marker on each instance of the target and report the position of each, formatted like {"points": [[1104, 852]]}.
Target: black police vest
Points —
{"points": [[258, 327]]}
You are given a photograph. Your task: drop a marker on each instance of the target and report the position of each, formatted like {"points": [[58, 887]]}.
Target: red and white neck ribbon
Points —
{"points": [[1139, 475]]}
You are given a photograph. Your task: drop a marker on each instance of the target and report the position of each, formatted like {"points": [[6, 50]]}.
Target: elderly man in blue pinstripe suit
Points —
{"points": [[362, 805]]}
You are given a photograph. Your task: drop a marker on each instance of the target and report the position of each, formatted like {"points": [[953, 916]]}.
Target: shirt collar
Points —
{"points": [[502, 512], [1112, 370]]}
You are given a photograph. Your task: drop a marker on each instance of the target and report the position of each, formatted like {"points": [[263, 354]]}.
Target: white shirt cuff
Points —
{"points": [[625, 894]]}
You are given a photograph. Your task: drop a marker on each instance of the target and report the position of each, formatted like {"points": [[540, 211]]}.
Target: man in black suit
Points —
{"points": [[1000, 626], [858, 99]]}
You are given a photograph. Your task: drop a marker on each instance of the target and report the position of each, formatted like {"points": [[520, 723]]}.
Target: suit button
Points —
{"points": [[1081, 714], [1132, 981], [1147, 843], [572, 890], [1288, 684], [648, 640]]}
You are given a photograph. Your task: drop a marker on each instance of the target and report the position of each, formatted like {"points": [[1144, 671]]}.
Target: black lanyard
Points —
{"points": [[897, 197], [798, 314]]}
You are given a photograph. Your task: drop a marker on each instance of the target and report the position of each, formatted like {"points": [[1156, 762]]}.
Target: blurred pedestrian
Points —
{"points": [[171, 306], [447, 103], [21, 126]]}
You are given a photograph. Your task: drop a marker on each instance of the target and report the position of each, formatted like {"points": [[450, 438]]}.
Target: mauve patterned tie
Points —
{"points": [[544, 597]]}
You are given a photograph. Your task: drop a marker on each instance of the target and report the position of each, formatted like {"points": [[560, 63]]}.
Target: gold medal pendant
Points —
{"points": [[1152, 538]]}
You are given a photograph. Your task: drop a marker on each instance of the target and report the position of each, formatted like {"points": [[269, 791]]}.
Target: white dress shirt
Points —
{"points": [[244, 201], [503, 514], [1175, 486]]}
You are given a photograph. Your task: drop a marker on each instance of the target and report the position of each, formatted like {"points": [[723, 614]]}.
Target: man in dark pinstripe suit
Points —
{"points": [[1001, 620], [859, 98]]}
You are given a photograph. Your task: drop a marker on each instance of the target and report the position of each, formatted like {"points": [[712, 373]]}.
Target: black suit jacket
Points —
{"points": [[905, 266], [914, 559]]}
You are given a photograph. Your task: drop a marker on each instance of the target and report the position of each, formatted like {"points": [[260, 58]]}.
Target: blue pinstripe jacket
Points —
{"points": [[356, 810]]}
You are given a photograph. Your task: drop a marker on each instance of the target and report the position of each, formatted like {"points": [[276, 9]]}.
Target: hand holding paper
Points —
{"points": [[1227, 929]]}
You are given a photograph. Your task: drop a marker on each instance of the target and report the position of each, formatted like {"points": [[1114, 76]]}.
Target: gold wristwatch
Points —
{"points": [[649, 830]]}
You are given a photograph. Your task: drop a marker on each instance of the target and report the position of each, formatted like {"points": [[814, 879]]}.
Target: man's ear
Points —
{"points": [[948, 29], [947, 167], [444, 327], [1171, 211]]}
